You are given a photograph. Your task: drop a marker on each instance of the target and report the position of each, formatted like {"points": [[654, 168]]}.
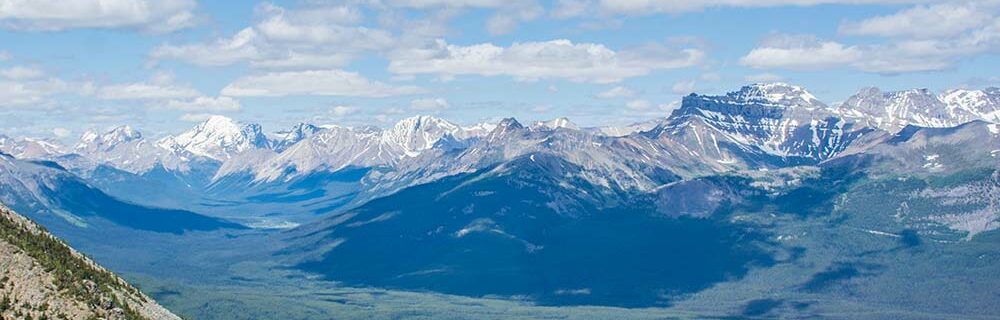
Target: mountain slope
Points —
{"points": [[761, 125], [43, 278], [44, 191], [529, 227]]}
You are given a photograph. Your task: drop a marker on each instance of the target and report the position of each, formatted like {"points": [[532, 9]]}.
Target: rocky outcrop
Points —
{"points": [[43, 278]]}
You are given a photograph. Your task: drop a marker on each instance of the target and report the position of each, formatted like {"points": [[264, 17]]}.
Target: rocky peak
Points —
{"points": [[292, 136], [418, 133], [556, 123], [218, 138], [93, 141]]}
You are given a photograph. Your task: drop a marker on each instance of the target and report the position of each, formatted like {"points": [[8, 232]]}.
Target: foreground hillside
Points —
{"points": [[43, 278]]}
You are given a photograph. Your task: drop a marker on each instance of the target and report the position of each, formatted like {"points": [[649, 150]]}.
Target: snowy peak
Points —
{"points": [[894, 110], [218, 138], [506, 126], [555, 124], [777, 94], [292, 136], [419, 133], [985, 104], [92, 141], [30, 148]]}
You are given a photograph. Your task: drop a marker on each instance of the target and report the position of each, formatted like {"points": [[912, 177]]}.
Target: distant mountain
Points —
{"points": [[29, 148], [126, 149], [43, 278], [555, 124], [891, 111], [761, 125], [534, 226], [45, 191], [292, 136], [335, 148], [217, 138]]}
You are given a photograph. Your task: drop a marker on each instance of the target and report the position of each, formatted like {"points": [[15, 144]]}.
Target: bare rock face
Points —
{"points": [[43, 278]]}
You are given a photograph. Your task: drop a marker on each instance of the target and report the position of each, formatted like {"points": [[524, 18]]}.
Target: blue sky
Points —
{"points": [[67, 66]]}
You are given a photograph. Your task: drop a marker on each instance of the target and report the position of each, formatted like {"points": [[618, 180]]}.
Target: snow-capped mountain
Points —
{"points": [[983, 104], [621, 131], [217, 138], [292, 136], [891, 111], [123, 148], [335, 147], [759, 125], [30, 148], [555, 124], [416, 134]]}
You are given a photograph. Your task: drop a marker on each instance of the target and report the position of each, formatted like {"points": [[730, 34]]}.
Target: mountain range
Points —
{"points": [[765, 188], [768, 125]]}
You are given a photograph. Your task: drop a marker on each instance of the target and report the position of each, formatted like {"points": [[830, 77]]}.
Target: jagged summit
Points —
{"points": [[92, 140], [561, 122], [218, 138], [893, 110], [418, 133], [292, 136], [777, 93]]}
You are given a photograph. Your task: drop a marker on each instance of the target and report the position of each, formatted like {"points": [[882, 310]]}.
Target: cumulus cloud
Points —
{"points": [[37, 91], [340, 111], [916, 39], [508, 13], [577, 8], [196, 117], [314, 82], [683, 86], [206, 104], [54, 15], [216, 53], [21, 73], [61, 132], [638, 104], [429, 104], [616, 92], [941, 20], [319, 37], [145, 91], [800, 53], [527, 61], [763, 77]]}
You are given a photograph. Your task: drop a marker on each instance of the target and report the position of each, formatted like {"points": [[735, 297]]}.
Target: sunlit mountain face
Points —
{"points": [[487, 160]]}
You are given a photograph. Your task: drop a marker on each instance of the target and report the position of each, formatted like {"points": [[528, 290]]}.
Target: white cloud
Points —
{"points": [[577, 8], [54, 15], [941, 20], [638, 104], [317, 37], [509, 13], [216, 53], [4, 55], [683, 86], [617, 92], [36, 91], [21, 73], [527, 61], [429, 104], [763, 77], [196, 117], [206, 104], [340, 111], [314, 82], [800, 53], [61, 132], [144, 91]]}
